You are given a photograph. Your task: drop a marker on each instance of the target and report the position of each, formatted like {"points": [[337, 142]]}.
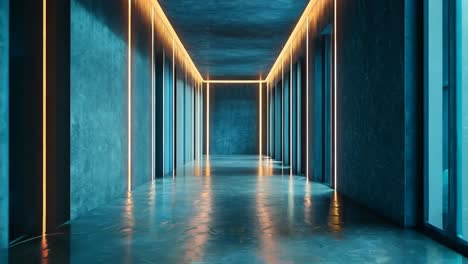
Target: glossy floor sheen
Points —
{"points": [[233, 211]]}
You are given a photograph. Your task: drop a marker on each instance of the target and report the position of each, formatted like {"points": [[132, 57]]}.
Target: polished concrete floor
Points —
{"points": [[232, 210]]}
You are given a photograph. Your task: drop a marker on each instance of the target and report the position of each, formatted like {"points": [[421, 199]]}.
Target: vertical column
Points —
{"points": [[174, 79], [4, 121], [434, 112], [39, 122], [159, 106], [57, 95], [291, 161], [282, 111]]}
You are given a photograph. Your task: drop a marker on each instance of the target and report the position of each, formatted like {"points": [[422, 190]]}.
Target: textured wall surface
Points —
{"points": [[141, 99], [180, 117], [233, 119], [98, 104], [4, 115], [372, 93], [372, 90], [189, 121]]}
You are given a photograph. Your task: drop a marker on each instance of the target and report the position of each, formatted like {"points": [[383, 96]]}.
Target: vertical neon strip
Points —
{"points": [[200, 109], [334, 99], [290, 110], [173, 108], [44, 117], [198, 120], [152, 96], [207, 119], [267, 120], [129, 110], [307, 99], [260, 117]]}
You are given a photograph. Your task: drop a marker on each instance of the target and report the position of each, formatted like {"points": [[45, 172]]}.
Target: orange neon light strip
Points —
{"points": [[163, 109], [176, 41], [295, 33], [307, 99], [334, 98], [152, 98], [207, 118], [44, 117], [267, 120], [260, 117], [129, 110], [234, 81]]}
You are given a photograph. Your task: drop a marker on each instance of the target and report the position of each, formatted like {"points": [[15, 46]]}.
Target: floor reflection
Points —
{"points": [[334, 219], [129, 225], [44, 250], [239, 209], [266, 226], [307, 203], [199, 232]]}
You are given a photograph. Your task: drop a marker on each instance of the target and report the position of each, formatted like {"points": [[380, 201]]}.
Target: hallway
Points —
{"points": [[234, 210], [240, 131]]}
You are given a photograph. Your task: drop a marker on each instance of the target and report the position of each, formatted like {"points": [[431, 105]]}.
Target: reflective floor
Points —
{"points": [[232, 210]]}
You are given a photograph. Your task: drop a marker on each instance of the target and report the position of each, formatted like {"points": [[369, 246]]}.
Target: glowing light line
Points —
{"points": [[44, 117], [334, 98], [207, 119], [175, 39], [307, 98], [129, 110], [295, 33], [260, 117], [163, 110], [152, 98], [234, 81], [267, 120]]}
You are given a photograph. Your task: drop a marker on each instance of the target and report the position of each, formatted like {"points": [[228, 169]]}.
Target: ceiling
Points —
{"points": [[233, 39]]}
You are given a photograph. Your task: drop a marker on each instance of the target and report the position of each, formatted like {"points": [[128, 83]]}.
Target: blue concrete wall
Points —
{"points": [[168, 154], [189, 121], [378, 101], [98, 104], [377, 84], [4, 119], [233, 119], [141, 98], [286, 117], [180, 118]]}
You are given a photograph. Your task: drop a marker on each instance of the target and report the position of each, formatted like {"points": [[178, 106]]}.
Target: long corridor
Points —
{"points": [[232, 209]]}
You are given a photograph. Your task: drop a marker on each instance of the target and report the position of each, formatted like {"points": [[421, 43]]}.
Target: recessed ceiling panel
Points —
{"points": [[233, 38]]}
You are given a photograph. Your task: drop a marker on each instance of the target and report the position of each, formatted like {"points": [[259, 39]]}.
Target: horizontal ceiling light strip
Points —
{"points": [[160, 13], [296, 33], [284, 52], [234, 81]]}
